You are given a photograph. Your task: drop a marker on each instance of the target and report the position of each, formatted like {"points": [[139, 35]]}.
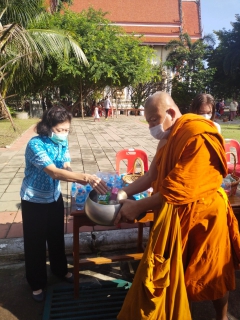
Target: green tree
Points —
{"points": [[115, 58], [140, 91], [23, 50], [12, 12], [225, 59], [191, 76]]}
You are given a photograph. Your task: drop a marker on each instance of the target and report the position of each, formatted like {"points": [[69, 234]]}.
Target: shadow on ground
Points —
{"points": [[16, 301]]}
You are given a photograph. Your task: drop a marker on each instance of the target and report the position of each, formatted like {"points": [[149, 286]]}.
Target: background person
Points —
{"points": [[186, 174], [96, 113], [99, 109], [233, 109], [93, 107], [217, 107], [221, 107], [204, 105], [47, 162], [107, 105]]}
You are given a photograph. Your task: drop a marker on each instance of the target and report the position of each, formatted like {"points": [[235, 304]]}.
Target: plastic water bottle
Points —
{"points": [[118, 182], [88, 190], [149, 192], [110, 184], [137, 196], [144, 194], [80, 197], [74, 189]]}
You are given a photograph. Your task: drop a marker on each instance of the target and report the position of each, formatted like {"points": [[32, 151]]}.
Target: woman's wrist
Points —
{"points": [[83, 178], [86, 178]]}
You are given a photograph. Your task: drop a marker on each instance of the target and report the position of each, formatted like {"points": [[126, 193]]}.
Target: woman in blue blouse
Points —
{"points": [[47, 162]]}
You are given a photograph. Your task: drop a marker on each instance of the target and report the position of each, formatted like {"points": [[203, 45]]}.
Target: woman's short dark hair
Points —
{"points": [[51, 118], [199, 100]]}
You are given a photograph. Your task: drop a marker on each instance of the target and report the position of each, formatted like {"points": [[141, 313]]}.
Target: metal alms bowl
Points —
{"points": [[99, 213]]}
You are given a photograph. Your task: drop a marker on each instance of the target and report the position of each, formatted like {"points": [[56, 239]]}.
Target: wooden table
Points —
{"points": [[80, 219]]}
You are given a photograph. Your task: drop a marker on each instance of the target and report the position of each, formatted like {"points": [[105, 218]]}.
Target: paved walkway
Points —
{"points": [[93, 146]]}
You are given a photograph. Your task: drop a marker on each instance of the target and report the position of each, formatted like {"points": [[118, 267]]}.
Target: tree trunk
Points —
{"points": [[81, 99], [5, 108]]}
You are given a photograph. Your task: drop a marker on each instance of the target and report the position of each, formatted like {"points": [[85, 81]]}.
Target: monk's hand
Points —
{"points": [[129, 211], [97, 184]]}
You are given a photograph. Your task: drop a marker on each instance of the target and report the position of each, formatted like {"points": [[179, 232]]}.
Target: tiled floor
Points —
{"points": [[93, 147]]}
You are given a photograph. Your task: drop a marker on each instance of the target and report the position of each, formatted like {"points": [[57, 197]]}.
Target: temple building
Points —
{"points": [[158, 21]]}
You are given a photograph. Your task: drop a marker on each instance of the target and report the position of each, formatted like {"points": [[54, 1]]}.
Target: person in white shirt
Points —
{"points": [[96, 114], [233, 109], [107, 105], [204, 105]]}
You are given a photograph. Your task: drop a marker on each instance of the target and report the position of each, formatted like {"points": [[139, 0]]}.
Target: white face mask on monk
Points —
{"points": [[158, 132]]}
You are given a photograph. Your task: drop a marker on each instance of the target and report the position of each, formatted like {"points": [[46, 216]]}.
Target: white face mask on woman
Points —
{"points": [[206, 116], [158, 132]]}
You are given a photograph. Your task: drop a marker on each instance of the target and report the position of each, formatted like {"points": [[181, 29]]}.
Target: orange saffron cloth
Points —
{"points": [[191, 166]]}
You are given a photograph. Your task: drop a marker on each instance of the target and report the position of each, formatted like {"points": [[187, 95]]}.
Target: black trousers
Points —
{"points": [[106, 113], [43, 223]]}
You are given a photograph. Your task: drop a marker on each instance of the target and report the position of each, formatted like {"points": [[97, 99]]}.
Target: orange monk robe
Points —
{"points": [[191, 167], [158, 291]]}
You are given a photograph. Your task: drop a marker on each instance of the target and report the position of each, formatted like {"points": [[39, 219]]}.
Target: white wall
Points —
{"points": [[161, 52]]}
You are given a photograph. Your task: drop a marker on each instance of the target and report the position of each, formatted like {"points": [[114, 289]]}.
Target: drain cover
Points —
{"points": [[102, 302]]}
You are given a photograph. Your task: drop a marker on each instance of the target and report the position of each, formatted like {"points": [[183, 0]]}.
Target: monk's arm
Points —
{"points": [[131, 209], [143, 183]]}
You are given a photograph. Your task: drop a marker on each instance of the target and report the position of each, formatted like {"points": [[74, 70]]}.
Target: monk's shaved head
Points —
{"points": [[160, 108], [160, 100]]}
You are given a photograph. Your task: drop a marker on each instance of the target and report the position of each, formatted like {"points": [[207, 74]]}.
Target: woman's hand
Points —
{"points": [[97, 184], [129, 211]]}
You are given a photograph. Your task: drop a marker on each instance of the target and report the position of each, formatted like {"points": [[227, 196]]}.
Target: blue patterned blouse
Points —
{"points": [[38, 186]]}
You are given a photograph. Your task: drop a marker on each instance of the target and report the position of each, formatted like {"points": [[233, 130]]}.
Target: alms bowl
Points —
{"points": [[99, 213]]}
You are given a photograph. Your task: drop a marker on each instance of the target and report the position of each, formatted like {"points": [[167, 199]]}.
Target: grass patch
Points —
{"points": [[8, 135], [230, 131]]}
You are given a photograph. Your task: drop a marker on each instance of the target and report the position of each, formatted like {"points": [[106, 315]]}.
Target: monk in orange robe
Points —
{"points": [[186, 174]]}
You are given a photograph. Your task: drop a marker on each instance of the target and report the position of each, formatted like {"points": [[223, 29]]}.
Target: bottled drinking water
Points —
{"points": [[149, 192], [137, 196], [110, 184], [142, 195], [74, 189], [88, 190], [118, 182], [80, 197]]}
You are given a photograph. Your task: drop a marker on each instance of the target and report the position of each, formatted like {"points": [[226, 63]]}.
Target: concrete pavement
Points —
{"points": [[93, 146]]}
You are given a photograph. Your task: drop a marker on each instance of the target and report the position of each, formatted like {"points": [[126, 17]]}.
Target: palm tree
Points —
{"points": [[23, 49], [186, 59], [184, 52]]}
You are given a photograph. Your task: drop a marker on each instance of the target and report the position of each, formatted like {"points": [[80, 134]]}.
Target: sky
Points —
{"points": [[218, 14]]}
